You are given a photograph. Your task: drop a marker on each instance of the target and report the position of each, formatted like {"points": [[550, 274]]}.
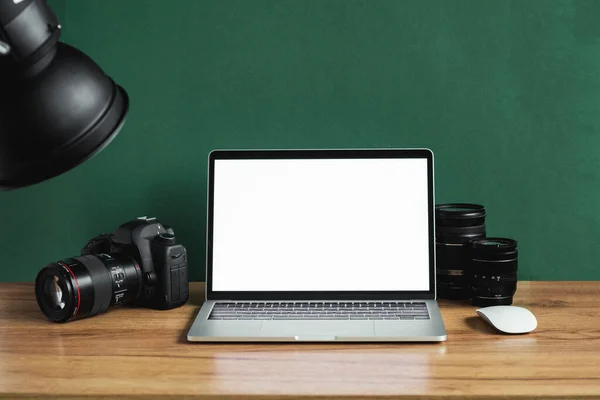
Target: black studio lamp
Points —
{"points": [[57, 107]]}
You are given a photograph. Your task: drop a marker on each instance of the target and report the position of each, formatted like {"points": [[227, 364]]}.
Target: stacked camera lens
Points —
{"points": [[456, 225], [469, 264], [494, 262]]}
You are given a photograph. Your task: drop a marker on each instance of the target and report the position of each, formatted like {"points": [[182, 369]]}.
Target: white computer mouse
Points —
{"points": [[509, 319]]}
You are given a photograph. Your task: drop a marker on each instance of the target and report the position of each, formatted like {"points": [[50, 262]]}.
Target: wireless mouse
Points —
{"points": [[509, 319]]}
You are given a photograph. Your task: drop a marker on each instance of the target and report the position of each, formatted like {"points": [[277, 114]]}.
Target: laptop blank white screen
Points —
{"points": [[321, 225]]}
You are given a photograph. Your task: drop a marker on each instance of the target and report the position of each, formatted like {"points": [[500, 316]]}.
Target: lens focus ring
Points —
{"points": [[87, 285], [101, 282]]}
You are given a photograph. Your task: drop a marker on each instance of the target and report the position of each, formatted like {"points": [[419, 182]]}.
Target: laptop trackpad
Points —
{"points": [[317, 330]]}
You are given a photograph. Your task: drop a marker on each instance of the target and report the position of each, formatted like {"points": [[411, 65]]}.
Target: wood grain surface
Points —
{"points": [[135, 353]]}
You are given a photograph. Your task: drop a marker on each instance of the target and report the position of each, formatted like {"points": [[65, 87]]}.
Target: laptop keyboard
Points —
{"points": [[342, 310]]}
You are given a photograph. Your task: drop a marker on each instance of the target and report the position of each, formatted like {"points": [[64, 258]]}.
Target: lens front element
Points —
{"points": [[53, 293]]}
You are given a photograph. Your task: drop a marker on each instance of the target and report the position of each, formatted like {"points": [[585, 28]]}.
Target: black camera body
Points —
{"points": [[163, 262], [141, 264]]}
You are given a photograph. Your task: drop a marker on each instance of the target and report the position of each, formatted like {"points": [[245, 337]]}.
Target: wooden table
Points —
{"points": [[135, 353]]}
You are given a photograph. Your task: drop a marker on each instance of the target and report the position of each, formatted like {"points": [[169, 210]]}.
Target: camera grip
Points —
{"points": [[179, 284], [172, 273]]}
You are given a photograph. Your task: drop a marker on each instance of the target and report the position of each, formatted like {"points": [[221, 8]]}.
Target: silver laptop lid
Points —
{"points": [[320, 224]]}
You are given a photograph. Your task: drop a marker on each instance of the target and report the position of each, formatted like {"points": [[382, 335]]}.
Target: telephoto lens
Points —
{"points": [[456, 225], [88, 285], [494, 263]]}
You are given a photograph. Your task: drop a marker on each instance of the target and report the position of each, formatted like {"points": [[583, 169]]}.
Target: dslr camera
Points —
{"points": [[141, 264]]}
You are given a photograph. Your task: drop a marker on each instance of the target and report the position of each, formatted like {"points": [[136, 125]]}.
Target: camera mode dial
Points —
{"points": [[167, 238]]}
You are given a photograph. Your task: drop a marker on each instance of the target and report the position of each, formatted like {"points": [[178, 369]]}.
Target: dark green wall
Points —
{"points": [[506, 93], [59, 7]]}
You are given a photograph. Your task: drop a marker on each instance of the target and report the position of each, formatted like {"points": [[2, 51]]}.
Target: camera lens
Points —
{"points": [[494, 263], [456, 225], [85, 286]]}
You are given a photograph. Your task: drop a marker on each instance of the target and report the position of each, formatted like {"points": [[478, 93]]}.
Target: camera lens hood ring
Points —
{"points": [[101, 282], [460, 211], [493, 242]]}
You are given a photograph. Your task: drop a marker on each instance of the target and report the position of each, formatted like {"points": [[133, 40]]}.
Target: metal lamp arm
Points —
{"points": [[27, 27]]}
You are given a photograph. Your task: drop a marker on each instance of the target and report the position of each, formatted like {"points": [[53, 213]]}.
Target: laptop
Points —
{"points": [[320, 245]]}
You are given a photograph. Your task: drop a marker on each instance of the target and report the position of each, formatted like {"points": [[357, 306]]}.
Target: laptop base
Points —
{"points": [[208, 330]]}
